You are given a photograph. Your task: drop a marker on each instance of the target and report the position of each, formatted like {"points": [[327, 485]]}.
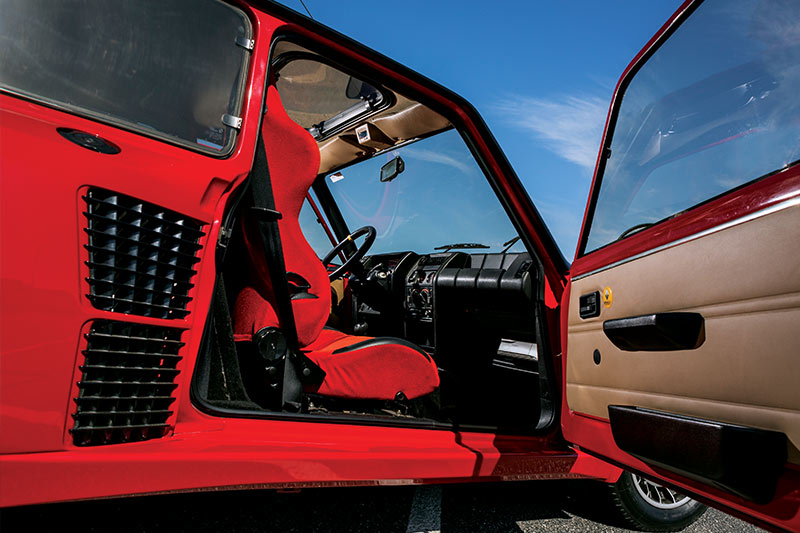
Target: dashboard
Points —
{"points": [[429, 299]]}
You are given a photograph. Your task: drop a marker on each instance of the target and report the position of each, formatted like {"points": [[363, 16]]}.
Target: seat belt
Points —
{"points": [[300, 369]]}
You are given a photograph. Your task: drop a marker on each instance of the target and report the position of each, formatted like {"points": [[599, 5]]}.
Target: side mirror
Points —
{"points": [[392, 169]]}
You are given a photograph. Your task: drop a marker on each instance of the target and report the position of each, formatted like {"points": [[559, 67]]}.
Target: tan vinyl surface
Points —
{"points": [[405, 119], [745, 281]]}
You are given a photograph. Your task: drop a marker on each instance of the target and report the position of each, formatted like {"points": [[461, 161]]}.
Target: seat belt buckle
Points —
{"points": [[265, 214]]}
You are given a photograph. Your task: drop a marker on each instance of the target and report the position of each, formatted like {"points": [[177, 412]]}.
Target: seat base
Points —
{"points": [[371, 368]]}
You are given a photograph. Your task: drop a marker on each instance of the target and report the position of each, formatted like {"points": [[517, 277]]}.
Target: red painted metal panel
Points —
{"points": [[43, 304], [44, 314], [261, 453]]}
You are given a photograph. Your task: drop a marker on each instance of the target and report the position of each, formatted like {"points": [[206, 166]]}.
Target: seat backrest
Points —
{"points": [[293, 160]]}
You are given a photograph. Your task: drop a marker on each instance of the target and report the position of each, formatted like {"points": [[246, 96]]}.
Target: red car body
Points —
{"points": [[46, 316], [46, 285]]}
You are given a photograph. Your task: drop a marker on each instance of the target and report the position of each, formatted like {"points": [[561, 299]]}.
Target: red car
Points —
{"points": [[171, 176]]}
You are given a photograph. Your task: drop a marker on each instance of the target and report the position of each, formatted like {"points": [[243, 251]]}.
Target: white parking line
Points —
{"points": [[425, 515]]}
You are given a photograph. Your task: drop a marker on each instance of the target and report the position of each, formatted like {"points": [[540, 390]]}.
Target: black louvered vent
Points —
{"points": [[128, 376], [140, 256]]}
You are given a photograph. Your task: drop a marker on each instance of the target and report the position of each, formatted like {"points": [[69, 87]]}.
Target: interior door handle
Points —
{"points": [[659, 332]]}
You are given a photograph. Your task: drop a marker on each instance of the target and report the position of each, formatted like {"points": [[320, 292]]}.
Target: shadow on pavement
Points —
{"points": [[485, 508]]}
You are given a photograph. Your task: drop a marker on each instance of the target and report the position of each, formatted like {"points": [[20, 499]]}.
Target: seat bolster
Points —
{"points": [[251, 313], [369, 368]]}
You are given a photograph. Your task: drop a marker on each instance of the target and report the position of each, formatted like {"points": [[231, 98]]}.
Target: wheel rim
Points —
{"points": [[658, 495]]}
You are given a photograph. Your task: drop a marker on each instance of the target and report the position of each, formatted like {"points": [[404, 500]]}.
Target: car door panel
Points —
{"points": [[683, 366], [745, 372]]}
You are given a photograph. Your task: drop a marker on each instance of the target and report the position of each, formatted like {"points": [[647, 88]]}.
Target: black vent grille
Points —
{"points": [[141, 256], [128, 376]]}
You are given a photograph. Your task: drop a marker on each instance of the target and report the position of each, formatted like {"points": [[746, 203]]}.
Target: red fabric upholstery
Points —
{"points": [[375, 372], [293, 159], [377, 369]]}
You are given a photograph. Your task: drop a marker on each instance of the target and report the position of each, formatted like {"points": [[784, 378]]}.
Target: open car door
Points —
{"points": [[681, 351]]}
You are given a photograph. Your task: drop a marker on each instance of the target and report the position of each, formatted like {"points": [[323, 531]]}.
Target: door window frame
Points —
{"points": [[763, 193]]}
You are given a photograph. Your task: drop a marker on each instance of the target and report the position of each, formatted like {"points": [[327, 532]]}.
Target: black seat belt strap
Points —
{"points": [[300, 368]]}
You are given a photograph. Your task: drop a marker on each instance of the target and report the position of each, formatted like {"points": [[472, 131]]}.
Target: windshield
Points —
{"points": [[165, 68], [714, 108], [440, 199]]}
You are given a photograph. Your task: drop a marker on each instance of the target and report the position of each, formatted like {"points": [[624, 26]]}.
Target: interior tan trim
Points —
{"points": [[745, 280], [403, 121]]}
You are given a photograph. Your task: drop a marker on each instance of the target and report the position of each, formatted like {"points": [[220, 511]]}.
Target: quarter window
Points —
{"points": [[167, 68]]}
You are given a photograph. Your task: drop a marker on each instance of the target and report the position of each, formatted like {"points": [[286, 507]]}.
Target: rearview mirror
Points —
{"points": [[392, 169]]}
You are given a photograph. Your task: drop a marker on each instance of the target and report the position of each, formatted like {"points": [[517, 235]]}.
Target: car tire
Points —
{"points": [[647, 506]]}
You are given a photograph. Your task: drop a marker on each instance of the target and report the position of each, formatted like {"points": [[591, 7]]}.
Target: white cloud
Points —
{"points": [[570, 126], [436, 157]]}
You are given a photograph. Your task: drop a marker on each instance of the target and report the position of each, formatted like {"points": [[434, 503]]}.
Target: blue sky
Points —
{"points": [[540, 73]]}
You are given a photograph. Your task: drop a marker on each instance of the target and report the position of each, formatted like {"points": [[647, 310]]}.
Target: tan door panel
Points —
{"points": [[745, 281]]}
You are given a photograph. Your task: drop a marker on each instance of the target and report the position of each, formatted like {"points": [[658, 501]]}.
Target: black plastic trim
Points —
{"points": [[89, 141], [140, 255], [738, 459], [381, 341], [126, 383], [589, 305], [659, 332]]}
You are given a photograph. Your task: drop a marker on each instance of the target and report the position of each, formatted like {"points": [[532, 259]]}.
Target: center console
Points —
{"points": [[419, 295], [422, 297]]}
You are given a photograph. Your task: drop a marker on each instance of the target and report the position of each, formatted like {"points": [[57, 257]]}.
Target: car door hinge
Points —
{"points": [[244, 42], [232, 121]]}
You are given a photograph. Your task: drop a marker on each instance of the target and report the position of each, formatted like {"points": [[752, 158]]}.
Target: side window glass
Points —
{"points": [[165, 68], [714, 108]]}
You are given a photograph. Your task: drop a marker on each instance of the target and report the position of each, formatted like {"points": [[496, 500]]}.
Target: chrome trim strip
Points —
{"points": [[792, 202]]}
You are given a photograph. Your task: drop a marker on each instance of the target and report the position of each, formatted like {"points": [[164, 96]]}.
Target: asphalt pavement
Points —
{"points": [[485, 508]]}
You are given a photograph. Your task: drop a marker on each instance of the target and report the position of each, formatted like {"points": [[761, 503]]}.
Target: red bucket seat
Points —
{"points": [[382, 368]]}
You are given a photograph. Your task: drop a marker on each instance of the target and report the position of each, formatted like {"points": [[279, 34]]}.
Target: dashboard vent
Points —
{"points": [[140, 256], [127, 380]]}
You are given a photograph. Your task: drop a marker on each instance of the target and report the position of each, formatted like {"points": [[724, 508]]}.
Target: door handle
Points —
{"points": [[658, 332]]}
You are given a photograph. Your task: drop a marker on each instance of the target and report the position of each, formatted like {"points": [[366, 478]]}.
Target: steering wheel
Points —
{"points": [[346, 267]]}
